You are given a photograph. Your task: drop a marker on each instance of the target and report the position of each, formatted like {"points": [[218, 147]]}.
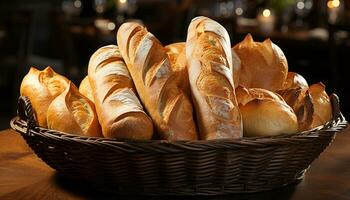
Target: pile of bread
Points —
{"points": [[198, 89]]}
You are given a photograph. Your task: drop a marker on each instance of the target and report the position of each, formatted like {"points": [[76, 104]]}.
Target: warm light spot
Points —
{"points": [[300, 5], [333, 4], [239, 11], [111, 26], [266, 13], [336, 3], [122, 1], [77, 3]]}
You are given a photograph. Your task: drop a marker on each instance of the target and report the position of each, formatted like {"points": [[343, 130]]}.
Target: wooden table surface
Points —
{"points": [[25, 176]]}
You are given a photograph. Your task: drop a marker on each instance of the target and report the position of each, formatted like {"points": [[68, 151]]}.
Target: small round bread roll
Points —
{"points": [[265, 113], [85, 89], [42, 87], [263, 64], [295, 80], [321, 104], [74, 113]]}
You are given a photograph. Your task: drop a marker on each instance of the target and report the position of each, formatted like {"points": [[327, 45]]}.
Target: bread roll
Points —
{"points": [[263, 64], [118, 109], [72, 112], [300, 101], [322, 105], [42, 87], [178, 62], [265, 113], [210, 70], [294, 80], [156, 83], [85, 89]]}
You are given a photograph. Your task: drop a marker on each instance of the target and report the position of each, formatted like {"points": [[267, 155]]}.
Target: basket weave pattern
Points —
{"points": [[179, 168]]}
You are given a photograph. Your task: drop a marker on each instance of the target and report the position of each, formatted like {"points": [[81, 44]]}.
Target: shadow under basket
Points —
{"points": [[162, 167]]}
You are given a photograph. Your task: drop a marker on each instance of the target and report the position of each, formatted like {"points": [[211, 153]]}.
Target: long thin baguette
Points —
{"points": [[155, 82], [118, 109], [210, 70]]}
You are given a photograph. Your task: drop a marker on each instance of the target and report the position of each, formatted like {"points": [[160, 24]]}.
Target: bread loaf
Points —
{"points": [[294, 80], [42, 87], [85, 89], [178, 63], [72, 112], [322, 105], [265, 113], [118, 109], [263, 64], [156, 82], [310, 104], [210, 73]]}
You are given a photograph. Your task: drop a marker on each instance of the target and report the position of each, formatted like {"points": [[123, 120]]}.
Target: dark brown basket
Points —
{"points": [[179, 168]]}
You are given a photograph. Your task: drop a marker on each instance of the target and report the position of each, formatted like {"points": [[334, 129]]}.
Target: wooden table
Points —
{"points": [[25, 176]]}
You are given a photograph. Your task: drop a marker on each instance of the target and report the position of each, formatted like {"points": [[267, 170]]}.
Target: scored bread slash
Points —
{"points": [[208, 51], [72, 112], [155, 82], [118, 109], [42, 87]]}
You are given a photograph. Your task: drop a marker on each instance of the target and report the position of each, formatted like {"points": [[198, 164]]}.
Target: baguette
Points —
{"points": [[72, 112], [210, 70], [42, 87], [118, 109], [155, 82]]}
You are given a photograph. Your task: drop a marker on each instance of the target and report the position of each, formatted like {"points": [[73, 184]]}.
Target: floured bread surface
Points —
{"points": [[73, 113], [156, 82], [210, 71], [118, 108]]}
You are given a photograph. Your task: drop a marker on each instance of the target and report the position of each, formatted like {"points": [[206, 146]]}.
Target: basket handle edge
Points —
{"points": [[336, 107], [25, 112]]}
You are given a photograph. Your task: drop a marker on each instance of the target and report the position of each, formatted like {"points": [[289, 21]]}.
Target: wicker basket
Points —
{"points": [[179, 168]]}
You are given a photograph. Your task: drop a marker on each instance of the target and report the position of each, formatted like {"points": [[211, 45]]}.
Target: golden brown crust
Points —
{"points": [[210, 71], [294, 80], [321, 103], [265, 113], [263, 64], [300, 101], [72, 112], [42, 87], [178, 62], [85, 88], [156, 83], [119, 111]]}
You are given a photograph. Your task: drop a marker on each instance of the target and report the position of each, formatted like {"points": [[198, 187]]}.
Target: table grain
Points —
{"points": [[24, 176]]}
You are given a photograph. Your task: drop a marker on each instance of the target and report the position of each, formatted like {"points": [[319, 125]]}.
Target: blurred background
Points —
{"points": [[314, 35]]}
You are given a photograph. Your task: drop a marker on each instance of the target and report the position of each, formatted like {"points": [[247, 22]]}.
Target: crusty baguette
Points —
{"points": [[118, 109], [210, 70], [85, 88], [42, 87], [178, 62], [74, 113], [156, 83]]}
